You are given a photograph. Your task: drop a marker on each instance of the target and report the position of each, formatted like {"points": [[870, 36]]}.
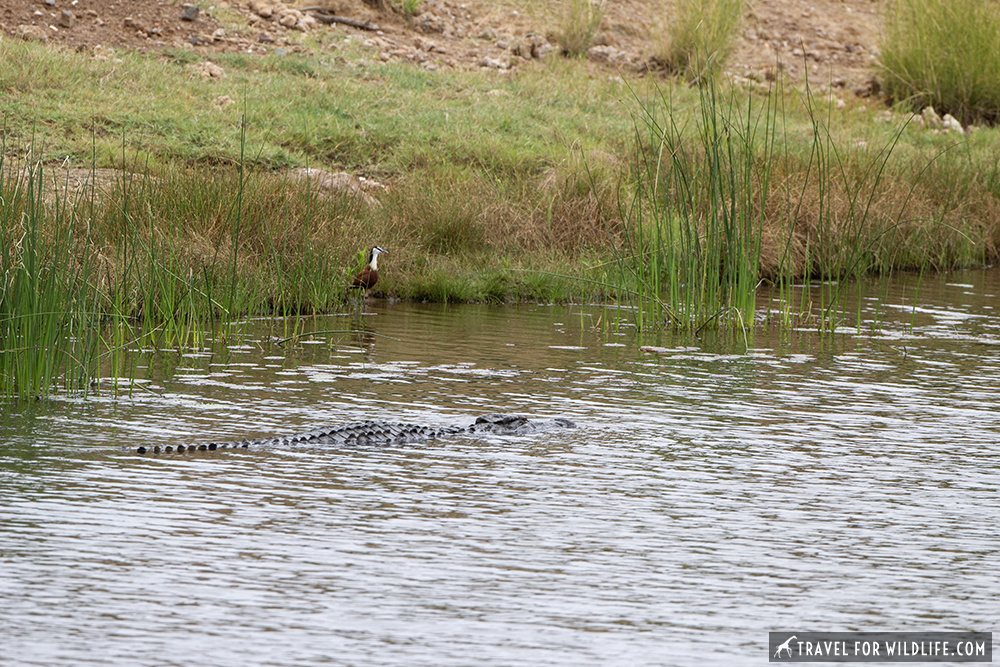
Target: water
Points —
{"points": [[710, 495]]}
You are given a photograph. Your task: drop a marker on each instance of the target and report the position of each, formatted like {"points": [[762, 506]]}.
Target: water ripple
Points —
{"points": [[708, 497]]}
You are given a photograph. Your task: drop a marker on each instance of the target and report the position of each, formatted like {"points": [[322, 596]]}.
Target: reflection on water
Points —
{"points": [[711, 494]]}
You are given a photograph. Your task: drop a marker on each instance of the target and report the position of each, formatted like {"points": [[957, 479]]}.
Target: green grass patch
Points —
{"points": [[944, 54]]}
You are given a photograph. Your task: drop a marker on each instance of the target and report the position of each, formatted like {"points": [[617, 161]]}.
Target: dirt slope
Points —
{"points": [[834, 40]]}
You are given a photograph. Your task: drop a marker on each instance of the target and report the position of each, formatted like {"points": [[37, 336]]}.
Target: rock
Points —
{"points": [[32, 32], [931, 119], [219, 35], [220, 103], [265, 38], [289, 18], [132, 24], [603, 39], [431, 23], [307, 23], [950, 124], [527, 47], [265, 8], [340, 183], [868, 88], [190, 13], [608, 55], [493, 63], [66, 19], [209, 70], [428, 46]]}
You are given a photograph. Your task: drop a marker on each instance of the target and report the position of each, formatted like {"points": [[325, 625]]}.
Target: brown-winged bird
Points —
{"points": [[369, 275]]}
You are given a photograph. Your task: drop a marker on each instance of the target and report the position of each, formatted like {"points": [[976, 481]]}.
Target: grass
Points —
{"points": [[944, 54], [736, 197], [49, 325], [692, 244], [699, 36], [370, 119], [576, 24], [550, 183]]}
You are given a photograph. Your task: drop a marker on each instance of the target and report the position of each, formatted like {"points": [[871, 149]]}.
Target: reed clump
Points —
{"points": [[693, 224], [49, 318], [943, 54], [737, 196]]}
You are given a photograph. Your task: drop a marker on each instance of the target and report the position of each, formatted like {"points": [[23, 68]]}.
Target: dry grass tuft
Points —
{"points": [[699, 36], [576, 25]]}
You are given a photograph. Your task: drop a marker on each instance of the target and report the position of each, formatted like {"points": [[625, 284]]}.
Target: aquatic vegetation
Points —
{"points": [[692, 241], [734, 196], [49, 325]]}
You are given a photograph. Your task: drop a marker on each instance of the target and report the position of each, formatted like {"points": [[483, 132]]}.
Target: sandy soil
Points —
{"points": [[834, 40]]}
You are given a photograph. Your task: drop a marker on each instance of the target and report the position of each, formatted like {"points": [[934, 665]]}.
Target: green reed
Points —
{"points": [[48, 328], [691, 247], [710, 183]]}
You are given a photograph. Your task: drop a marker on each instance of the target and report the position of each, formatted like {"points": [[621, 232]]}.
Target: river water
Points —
{"points": [[710, 494]]}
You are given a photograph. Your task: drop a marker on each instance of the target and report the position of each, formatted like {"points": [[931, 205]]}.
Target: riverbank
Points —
{"points": [[472, 180], [147, 194]]}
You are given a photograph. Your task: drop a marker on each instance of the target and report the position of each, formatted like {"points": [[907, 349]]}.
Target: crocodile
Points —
{"points": [[378, 433]]}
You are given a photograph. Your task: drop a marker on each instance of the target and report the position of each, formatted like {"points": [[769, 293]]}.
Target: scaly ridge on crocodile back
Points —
{"points": [[378, 433]]}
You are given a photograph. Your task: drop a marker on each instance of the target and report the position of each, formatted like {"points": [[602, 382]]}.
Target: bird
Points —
{"points": [[368, 276]]}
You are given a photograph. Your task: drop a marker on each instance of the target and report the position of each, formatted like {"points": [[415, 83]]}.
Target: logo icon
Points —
{"points": [[785, 647]]}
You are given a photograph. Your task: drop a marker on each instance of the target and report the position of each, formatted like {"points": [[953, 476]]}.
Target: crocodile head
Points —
{"points": [[504, 424], [502, 421]]}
